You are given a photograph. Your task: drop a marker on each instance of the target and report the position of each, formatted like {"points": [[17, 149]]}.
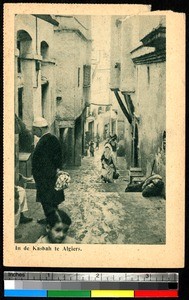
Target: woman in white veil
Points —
{"points": [[108, 164]]}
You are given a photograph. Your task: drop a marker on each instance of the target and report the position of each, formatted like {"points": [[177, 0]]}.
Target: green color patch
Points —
{"points": [[76, 294]]}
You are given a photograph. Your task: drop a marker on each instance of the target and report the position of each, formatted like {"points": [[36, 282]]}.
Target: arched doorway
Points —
{"points": [[24, 43], [24, 47]]}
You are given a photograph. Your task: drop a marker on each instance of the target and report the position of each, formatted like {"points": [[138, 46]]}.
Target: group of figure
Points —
{"points": [[108, 158], [46, 167], [46, 170]]}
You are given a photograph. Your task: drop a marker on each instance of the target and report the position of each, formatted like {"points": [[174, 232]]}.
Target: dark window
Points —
{"points": [[99, 110], [78, 77], [86, 75], [44, 93], [18, 45], [44, 50], [148, 74], [19, 70], [20, 103], [108, 108]]}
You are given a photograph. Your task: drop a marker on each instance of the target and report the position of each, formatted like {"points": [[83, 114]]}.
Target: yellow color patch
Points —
{"points": [[112, 293]]}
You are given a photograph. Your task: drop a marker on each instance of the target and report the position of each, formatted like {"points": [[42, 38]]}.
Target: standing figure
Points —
{"points": [[113, 143], [86, 148], [108, 164], [46, 162], [91, 148]]}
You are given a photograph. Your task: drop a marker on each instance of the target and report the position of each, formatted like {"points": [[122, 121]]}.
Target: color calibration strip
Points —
{"points": [[82, 285], [91, 294]]}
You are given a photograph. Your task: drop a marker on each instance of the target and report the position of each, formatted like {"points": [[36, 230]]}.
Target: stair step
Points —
{"points": [[136, 174], [138, 179], [135, 169], [31, 185]]}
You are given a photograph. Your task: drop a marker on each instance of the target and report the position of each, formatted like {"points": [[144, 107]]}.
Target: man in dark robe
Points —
{"points": [[46, 162]]}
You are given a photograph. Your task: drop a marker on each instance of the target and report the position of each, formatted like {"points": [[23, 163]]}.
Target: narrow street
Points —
{"points": [[102, 212], [84, 89]]}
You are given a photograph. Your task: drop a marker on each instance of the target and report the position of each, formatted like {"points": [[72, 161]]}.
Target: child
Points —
{"points": [[58, 223]]}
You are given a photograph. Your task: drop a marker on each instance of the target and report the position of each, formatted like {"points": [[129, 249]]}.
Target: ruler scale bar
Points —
{"points": [[66, 276], [87, 285]]}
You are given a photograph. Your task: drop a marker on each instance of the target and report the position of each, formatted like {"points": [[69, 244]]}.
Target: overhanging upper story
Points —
{"points": [[152, 49]]}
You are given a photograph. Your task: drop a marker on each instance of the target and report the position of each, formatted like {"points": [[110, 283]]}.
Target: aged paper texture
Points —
{"points": [[110, 248]]}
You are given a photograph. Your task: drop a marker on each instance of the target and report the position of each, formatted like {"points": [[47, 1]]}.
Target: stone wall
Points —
{"points": [[151, 109], [30, 32], [146, 85], [72, 53], [115, 60], [65, 74]]}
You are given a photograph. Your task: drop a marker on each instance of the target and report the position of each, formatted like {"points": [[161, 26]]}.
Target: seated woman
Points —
{"points": [[21, 206], [58, 223], [108, 164]]}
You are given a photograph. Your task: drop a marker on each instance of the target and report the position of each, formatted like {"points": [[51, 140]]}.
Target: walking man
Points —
{"points": [[91, 148], [46, 162]]}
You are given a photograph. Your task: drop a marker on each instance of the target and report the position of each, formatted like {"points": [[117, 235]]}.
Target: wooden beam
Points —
{"points": [[123, 107]]}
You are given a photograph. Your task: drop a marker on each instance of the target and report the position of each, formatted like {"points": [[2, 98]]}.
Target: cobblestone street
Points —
{"points": [[102, 212]]}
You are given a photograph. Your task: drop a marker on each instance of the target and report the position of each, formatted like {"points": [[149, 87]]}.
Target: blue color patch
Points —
{"points": [[25, 293]]}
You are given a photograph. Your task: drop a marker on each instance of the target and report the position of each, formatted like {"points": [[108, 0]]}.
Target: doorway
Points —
{"points": [[78, 141], [135, 148], [91, 130]]}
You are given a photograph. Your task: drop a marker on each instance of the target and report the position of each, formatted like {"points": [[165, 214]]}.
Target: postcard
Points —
{"points": [[94, 136]]}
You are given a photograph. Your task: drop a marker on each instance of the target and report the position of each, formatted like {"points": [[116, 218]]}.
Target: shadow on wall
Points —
{"points": [[121, 148], [156, 154], [124, 150]]}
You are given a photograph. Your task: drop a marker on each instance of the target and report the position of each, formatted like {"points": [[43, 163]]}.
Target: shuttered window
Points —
{"points": [[86, 75]]}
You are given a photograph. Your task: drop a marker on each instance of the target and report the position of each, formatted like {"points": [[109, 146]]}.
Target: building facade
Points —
{"points": [[34, 80], [34, 44], [138, 81], [99, 113], [102, 117], [73, 73], [52, 80]]}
